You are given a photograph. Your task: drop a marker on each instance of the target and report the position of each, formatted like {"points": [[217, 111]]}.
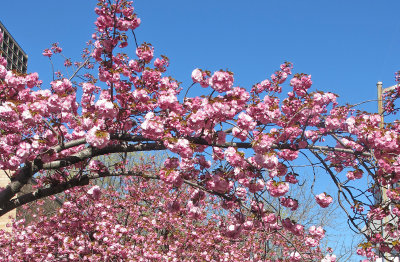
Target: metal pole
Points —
{"points": [[380, 103], [383, 192]]}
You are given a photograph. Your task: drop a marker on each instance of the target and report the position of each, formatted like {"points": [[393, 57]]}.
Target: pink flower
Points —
{"points": [[287, 154], [161, 64], [135, 66], [174, 206], [67, 62], [264, 85], [219, 184], [246, 122], [171, 177], [289, 202], [233, 231], [233, 157], [288, 224], [97, 138], [352, 175], [47, 52], [89, 88], [203, 163], [329, 258], [145, 52], [268, 161], [24, 150], [167, 101], [32, 80], [298, 230], [194, 212], [279, 77], [61, 86], [317, 232], [106, 109], [323, 200], [151, 77], [14, 162], [171, 163], [258, 185], [56, 48], [95, 192], [277, 189], [151, 127], [241, 192], [3, 71], [97, 166], [197, 195], [295, 256], [301, 84], [291, 178], [182, 147], [221, 81], [218, 153], [201, 77], [197, 75], [311, 242], [240, 133], [248, 225]]}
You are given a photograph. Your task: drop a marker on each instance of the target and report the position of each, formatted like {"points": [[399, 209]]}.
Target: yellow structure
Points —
{"points": [[17, 60], [5, 219]]}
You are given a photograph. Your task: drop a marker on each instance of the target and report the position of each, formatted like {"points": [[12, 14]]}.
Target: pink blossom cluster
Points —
{"points": [[323, 199], [219, 184], [201, 77], [181, 147], [221, 81], [152, 126], [356, 174], [97, 137], [277, 189], [94, 192], [289, 202], [145, 52], [232, 142], [162, 63], [96, 232], [329, 258]]}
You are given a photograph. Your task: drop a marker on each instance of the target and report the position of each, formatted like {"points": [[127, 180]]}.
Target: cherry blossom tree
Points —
{"points": [[146, 221], [137, 199], [240, 146]]}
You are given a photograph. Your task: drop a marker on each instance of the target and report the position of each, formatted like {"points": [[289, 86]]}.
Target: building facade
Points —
{"points": [[5, 219], [17, 59]]}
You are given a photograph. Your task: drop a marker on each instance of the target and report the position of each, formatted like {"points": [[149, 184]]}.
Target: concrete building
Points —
{"points": [[17, 59], [4, 220]]}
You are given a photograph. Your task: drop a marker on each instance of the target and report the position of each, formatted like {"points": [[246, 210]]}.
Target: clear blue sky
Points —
{"points": [[347, 46]]}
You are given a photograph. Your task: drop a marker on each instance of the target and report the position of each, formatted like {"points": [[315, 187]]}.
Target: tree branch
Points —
{"points": [[23, 175]]}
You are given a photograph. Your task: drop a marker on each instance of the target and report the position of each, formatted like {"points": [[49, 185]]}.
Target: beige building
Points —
{"points": [[4, 180], [48, 207], [17, 60]]}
